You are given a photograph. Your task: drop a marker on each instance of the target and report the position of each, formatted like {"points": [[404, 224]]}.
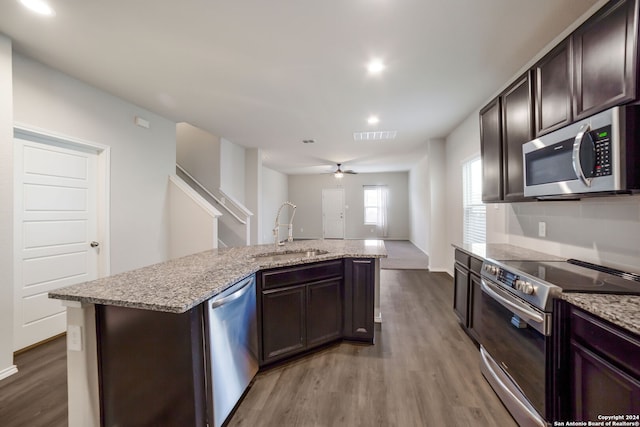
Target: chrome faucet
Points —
{"points": [[276, 228]]}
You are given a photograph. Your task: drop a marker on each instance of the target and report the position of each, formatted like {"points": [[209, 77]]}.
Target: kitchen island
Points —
{"points": [[177, 289]]}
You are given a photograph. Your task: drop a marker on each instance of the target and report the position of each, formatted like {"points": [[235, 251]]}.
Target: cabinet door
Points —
{"points": [[605, 56], [283, 322], [552, 77], [491, 151], [359, 299], [598, 387], [461, 293], [517, 129], [324, 312], [475, 303]]}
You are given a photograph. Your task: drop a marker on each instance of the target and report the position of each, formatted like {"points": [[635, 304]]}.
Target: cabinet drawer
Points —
{"points": [[475, 265], [462, 258], [607, 340], [288, 276]]}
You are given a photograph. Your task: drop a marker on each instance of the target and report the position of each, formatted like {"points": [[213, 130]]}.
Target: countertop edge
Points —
{"points": [[198, 277], [616, 309]]}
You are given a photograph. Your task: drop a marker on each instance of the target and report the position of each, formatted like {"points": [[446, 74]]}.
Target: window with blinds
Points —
{"points": [[475, 212]]}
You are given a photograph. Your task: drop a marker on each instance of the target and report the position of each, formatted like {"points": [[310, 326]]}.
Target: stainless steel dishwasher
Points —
{"points": [[232, 347]]}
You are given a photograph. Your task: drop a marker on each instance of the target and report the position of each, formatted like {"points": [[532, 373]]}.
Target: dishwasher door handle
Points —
{"points": [[234, 296]]}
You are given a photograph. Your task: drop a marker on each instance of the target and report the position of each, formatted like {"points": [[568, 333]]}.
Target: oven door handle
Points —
{"points": [[518, 309]]}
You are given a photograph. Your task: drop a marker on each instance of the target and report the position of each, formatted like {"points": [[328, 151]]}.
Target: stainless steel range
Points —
{"points": [[512, 319]]}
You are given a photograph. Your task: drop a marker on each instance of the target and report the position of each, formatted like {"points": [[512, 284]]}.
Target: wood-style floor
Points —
{"points": [[422, 371], [37, 395]]}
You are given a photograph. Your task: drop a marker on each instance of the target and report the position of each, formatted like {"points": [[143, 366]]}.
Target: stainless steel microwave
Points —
{"points": [[596, 156]]}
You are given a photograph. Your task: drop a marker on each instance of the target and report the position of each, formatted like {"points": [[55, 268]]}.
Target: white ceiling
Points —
{"points": [[270, 73]]}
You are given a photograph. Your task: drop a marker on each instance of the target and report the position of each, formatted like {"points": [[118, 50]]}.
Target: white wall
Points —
{"points": [[275, 190], [141, 159], [438, 217], [6, 209], [420, 205], [253, 192], [198, 152], [193, 221], [232, 170], [306, 192], [600, 230], [462, 144]]}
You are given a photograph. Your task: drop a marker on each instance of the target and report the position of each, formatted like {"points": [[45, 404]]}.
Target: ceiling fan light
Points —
{"points": [[338, 174]]}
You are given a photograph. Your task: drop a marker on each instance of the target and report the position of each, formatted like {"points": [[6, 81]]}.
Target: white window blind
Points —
{"points": [[475, 213], [371, 205], [376, 200]]}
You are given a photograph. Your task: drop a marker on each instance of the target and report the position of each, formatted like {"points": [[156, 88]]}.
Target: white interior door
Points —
{"points": [[55, 213], [333, 213]]}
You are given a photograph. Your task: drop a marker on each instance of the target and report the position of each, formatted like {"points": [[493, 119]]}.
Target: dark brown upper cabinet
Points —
{"points": [[605, 58], [505, 124], [517, 129], [552, 81], [491, 151]]}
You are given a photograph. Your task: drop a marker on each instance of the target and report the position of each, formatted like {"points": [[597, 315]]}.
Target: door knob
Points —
{"points": [[94, 244]]}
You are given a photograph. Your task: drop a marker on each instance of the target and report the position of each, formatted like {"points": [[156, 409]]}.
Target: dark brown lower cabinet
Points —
{"points": [[475, 302], [151, 367], [597, 365], [305, 306], [466, 289], [359, 299], [461, 292], [324, 312], [283, 322]]}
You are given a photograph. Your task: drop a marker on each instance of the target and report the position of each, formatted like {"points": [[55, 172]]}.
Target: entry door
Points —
{"points": [[333, 213], [55, 212]]}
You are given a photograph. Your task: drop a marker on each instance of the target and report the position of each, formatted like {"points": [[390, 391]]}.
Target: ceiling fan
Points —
{"points": [[339, 173]]}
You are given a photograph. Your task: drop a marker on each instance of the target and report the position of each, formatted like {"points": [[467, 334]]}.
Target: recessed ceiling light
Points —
{"points": [[375, 66], [38, 6], [372, 120]]}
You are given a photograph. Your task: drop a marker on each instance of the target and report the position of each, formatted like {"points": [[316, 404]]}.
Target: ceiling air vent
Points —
{"points": [[374, 135]]}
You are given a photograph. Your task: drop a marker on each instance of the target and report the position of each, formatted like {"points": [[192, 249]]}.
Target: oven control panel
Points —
{"points": [[525, 286], [510, 279]]}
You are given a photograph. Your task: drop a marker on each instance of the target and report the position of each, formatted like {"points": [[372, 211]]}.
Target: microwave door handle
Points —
{"points": [[577, 145]]}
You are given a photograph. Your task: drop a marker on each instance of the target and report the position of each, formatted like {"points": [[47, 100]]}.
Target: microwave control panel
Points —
{"points": [[602, 144]]}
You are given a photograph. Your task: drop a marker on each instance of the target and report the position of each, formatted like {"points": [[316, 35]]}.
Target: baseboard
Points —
{"points": [[7, 372], [441, 270]]}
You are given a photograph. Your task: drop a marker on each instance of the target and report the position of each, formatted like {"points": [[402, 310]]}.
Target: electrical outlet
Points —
{"points": [[74, 338], [542, 229]]}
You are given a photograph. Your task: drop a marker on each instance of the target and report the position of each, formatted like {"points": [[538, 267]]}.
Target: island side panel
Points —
{"points": [[151, 367]]}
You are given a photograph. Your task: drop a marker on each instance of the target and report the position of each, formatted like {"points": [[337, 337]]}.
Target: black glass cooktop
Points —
{"points": [[579, 276]]}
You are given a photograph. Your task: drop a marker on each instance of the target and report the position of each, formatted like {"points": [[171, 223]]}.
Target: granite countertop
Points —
{"points": [[178, 285], [505, 252], [621, 310]]}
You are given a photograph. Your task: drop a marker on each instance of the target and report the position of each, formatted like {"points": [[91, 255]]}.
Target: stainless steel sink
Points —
{"points": [[288, 255]]}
